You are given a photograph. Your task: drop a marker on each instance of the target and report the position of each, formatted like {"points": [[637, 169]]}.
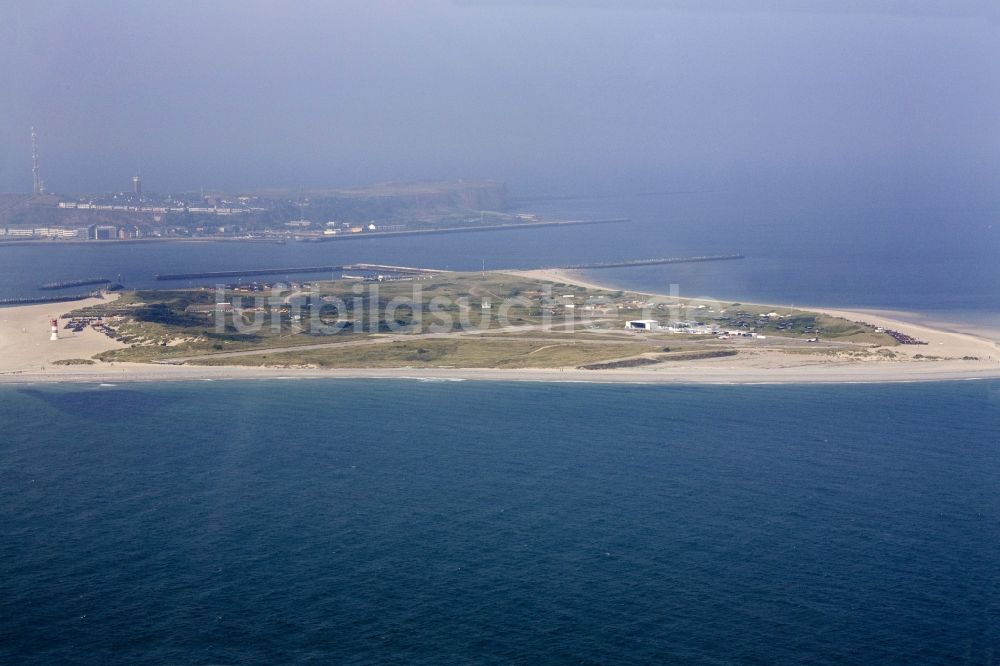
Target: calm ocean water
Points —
{"points": [[941, 261], [424, 523]]}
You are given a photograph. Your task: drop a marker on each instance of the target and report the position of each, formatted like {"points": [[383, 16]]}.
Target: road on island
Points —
{"points": [[496, 334]]}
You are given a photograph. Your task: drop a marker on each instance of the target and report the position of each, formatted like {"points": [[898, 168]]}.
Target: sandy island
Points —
{"points": [[27, 356]]}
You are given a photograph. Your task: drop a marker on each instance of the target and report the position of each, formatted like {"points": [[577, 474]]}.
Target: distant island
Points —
{"points": [[523, 325], [273, 215]]}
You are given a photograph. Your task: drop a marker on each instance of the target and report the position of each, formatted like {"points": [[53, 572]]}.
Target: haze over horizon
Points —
{"points": [[884, 98]]}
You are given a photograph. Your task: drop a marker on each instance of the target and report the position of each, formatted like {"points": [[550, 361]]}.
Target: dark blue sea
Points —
{"points": [[423, 523], [406, 522]]}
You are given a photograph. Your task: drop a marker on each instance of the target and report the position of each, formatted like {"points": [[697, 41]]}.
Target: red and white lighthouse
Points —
{"points": [[55, 330]]}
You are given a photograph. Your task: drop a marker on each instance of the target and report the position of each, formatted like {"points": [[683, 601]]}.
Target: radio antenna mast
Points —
{"points": [[39, 188]]}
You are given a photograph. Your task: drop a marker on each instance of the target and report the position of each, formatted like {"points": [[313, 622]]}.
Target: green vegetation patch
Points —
{"points": [[73, 361], [461, 353], [184, 324]]}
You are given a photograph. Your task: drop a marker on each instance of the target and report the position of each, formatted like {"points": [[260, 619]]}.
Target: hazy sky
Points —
{"points": [[552, 95]]}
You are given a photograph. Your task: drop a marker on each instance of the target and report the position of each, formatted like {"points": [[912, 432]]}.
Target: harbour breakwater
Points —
{"points": [[256, 271], [49, 299], [410, 270], [52, 286], [298, 270], [458, 230], [654, 262]]}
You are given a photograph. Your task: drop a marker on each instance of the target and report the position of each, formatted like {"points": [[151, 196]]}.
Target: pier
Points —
{"points": [[246, 273], [654, 262], [52, 286], [48, 299], [458, 230], [394, 269], [425, 271], [298, 270]]}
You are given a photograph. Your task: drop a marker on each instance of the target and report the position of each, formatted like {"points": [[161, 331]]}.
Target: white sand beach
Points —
{"points": [[25, 346]]}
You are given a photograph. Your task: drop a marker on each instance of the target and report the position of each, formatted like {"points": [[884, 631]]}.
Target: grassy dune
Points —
{"points": [[173, 324], [459, 353]]}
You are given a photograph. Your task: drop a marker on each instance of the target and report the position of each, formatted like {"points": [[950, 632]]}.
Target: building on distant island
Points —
{"points": [[284, 214], [102, 232], [41, 232]]}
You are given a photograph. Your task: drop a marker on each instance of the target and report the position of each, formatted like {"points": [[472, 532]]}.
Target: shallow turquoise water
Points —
{"points": [[418, 522]]}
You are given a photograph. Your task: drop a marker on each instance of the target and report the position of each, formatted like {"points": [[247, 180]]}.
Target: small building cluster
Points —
{"points": [[113, 232], [691, 328], [334, 228], [40, 232]]}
